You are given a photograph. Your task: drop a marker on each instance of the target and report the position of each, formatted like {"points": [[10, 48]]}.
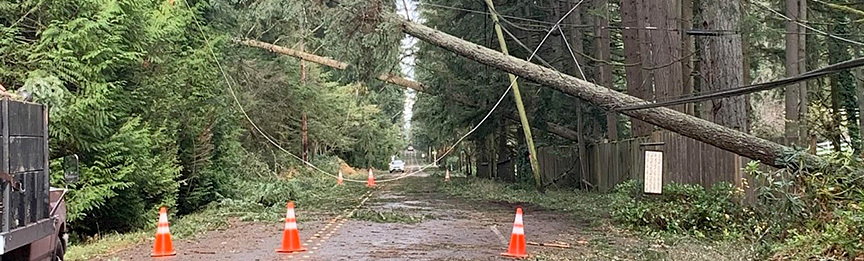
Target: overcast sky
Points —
{"points": [[407, 64]]}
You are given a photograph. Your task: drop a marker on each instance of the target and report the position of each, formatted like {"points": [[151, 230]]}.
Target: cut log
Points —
{"points": [[725, 138]]}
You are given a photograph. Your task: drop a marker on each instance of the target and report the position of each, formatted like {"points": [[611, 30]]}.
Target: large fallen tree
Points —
{"points": [[725, 138], [553, 128]]}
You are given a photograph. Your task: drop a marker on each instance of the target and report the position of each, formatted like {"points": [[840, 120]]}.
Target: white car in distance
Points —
{"points": [[397, 165]]}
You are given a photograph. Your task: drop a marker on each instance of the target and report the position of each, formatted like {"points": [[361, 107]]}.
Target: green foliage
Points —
{"points": [[134, 90], [714, 213], [265, 198], [389, 216], [796, 214], [369, 42], [588, 206], [813, 215]]}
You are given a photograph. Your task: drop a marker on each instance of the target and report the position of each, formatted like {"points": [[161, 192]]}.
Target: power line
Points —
{"points": [[564, 36], [583, 26], [258, 129], [858, 62], [274, 143], [512, 82], [775, 12], [237, 100]]}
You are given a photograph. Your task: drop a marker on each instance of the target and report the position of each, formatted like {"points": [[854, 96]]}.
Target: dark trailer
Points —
{"points": [[32, 214]]}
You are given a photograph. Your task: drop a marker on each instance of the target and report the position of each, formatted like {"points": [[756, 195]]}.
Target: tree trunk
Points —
{"points": [[842, 83], [305, 130], [803, 92], [745, 50], [687, 125], [484, 165], [793, 90], [583, 147], [302, 65], [632, 55], [687, 49], [858, 73], [604, 53], [663, 61], [494, 156], [721, 58], [575, 34]]}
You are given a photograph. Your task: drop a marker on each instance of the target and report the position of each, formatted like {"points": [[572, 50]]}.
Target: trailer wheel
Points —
{"points": [[59, 249]]}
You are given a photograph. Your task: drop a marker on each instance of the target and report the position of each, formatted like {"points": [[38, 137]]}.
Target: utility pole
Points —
{"points": [[526, 127]]}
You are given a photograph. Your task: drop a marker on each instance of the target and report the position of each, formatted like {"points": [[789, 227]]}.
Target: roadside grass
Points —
{"points": [[605, 239], [184, 227], [586, 205], [259, 200]]}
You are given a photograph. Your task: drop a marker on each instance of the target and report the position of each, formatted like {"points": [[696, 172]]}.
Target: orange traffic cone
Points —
{"points": [[339, 180], [517, 238], [163, 245], [370, 182], [291, 236], [447, 176]]}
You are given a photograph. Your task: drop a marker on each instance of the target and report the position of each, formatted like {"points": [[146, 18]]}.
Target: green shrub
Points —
{"points": [[812, 215], [716, 213]]}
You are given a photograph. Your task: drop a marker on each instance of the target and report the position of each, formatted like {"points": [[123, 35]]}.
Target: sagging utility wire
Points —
{"points": [[274, 143], [837, 67], [777, 13]]}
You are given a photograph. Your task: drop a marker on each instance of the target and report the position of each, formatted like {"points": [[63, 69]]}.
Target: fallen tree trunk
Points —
{"points": [[294, 53], [725, 138], [554, 128]]}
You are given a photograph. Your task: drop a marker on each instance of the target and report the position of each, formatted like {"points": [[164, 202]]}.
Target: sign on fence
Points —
{"points": [[653, 172]]}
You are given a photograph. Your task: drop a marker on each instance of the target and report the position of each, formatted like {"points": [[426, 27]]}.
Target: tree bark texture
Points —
{"points": [[687, 48], [725, 138], [792, 91], [632, 55], [661, 57], [721, 59], [803, 92], [603, 50], [745, 50]]}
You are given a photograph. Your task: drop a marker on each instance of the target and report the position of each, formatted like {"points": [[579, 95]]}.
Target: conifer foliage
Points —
{"points": [[135, 92]]}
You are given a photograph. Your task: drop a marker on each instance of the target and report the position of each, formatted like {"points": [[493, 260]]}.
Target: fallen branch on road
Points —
{"points": [[557, 244]]}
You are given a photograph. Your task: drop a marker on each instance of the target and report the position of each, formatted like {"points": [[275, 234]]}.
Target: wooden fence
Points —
{"points": [[685, 160]]}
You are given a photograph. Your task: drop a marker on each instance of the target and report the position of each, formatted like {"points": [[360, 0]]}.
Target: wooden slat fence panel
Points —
{"points": [[685, 160]]}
